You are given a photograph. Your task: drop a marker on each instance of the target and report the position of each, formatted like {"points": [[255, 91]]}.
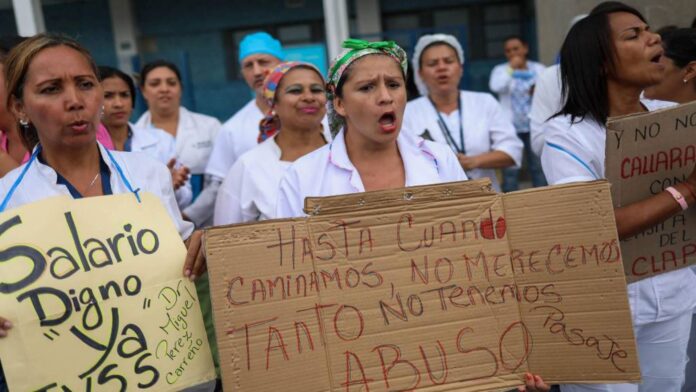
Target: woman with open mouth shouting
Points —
{"points": [[367, 98], [367, 93], [296, 96]]}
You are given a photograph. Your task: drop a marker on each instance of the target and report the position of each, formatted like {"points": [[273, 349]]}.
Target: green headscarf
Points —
{"points": [[355, 49]]}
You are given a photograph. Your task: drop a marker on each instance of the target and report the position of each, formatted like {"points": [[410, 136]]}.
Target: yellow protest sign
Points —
{"points": [[95, 292]]}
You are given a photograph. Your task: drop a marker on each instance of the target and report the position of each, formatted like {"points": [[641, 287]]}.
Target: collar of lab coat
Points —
{"points": [[52, 177], [420, 165]]}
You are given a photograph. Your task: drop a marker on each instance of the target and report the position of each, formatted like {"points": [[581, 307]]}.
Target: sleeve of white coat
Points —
{"points": [[169, 200], [500, 79], [228, 204], [202, 208], [546, 102], [222, 157], [563, 159], [290, 202], [503, 134], [184, 194]]}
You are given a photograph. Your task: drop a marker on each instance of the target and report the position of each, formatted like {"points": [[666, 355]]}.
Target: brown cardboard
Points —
{"points": [[395, 324], [646, 153]]}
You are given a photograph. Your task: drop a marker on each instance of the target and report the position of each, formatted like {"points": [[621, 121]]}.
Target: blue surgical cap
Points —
{"points": [[260, 43]]}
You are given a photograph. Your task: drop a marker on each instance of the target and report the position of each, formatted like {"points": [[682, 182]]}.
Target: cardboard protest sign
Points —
{"points": [[645, 154], [444, 287], [95, 292]]}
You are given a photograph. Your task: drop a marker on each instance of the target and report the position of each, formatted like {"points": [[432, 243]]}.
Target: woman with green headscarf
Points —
{"points": [[367, 98]]}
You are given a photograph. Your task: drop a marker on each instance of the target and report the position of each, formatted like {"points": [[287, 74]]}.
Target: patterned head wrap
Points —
{"points": [[424, 42], [270, 125], [354, 50]]}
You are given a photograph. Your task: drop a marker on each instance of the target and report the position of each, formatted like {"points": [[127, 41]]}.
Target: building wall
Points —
{"points": [[554, 16]]}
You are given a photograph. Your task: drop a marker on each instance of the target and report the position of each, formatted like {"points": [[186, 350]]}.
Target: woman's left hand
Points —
{"points": [[195, 264], [534, 383]]}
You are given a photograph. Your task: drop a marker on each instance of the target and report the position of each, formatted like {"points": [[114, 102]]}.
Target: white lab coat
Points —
{"points": [[328, 171], [142, 171], [660, 305], [160, 145], [485, 128], [546, 102], [501, 82], [250, 189], [237, 135], [195, 136]]}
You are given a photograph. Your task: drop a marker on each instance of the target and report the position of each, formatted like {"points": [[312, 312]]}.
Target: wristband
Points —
{"points": [[678, 197]]}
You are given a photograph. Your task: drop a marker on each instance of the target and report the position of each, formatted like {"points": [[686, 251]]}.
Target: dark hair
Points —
{"points": [[587, 58], [680, 46], [517, 37], [665, 30], [17, 65], [149, 67], [347, 72], [106, 72]]}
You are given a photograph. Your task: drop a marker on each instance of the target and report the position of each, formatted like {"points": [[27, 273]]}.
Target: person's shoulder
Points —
{"points": [[155, 133], [240, 117], [259, 154], [10, 178], [417, 102], [202, 118], [312, 161], [563, 127], [478, 99], [139, 163]]}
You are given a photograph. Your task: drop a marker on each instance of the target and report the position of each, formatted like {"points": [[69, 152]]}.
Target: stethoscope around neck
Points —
{"points": [[33, 158]]}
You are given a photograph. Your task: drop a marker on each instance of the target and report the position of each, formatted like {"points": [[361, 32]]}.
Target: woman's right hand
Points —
{"points": [[5, 326], [179, 175]]}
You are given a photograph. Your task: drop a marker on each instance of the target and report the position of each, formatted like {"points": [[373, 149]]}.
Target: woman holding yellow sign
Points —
{"points": [[54, 92]]}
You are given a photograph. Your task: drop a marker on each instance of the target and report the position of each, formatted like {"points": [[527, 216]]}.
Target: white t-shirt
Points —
{"points": [[546, 102], [250, 189], [195, 136], [238, 135], [140, 170], [575, 152], [501, 82], [328, 171], [485, 128]]}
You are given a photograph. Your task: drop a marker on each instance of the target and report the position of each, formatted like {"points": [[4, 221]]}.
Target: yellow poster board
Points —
{"points": [[95, 292]]}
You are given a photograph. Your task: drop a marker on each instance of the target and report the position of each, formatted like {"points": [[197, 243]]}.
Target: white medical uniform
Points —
{"points": [[141, 171], [250, 189], [328, 171], [238, 135], [162, 146], [546, 102], [661, 306], [195, 136], [501, 81], [485, 128]]}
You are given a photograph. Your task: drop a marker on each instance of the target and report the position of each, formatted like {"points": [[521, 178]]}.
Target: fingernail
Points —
{"points": [[3, 333], [529, 376], [192, 278], [8, 324], [187, 272]]}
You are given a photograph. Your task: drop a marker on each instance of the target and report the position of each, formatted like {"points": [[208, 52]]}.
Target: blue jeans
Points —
{"points": [[510, 174]]}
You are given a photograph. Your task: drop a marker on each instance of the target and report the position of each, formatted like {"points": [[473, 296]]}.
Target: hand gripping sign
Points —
{"points": [[645, 154], [94, 290], [444, 287]]}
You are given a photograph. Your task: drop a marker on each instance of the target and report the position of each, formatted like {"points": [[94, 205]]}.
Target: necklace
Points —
{"points": [[93, 181]]}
